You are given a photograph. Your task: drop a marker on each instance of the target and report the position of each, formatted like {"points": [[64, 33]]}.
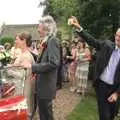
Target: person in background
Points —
{"points": [[2, 56], [7, 47], [29, 45], [35, 49], [83, 57], [72, 67], [59, 76], [5, 57], [64, 61], [107, 71]]}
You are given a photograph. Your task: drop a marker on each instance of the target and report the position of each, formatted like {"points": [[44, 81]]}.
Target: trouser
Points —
{"points": [[107, 110], [45, 109], [59, 77]]}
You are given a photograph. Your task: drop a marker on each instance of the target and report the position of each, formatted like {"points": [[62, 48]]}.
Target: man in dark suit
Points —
{"points": [[107, 71], [46, 67]]}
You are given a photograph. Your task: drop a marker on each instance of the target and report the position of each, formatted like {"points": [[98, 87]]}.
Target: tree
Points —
{"points": [[60, 9], [46, 4], [99, 17]]}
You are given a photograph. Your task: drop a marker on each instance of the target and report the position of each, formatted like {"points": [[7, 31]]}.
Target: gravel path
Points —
{"points": [[64, 103]]}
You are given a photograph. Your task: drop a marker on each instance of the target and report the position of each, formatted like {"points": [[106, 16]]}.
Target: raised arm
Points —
{"points": [[86, 36]]}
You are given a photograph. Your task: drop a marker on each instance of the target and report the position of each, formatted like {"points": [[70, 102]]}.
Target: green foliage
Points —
{"points": [[86, 109], [7, 40], [65, 31], [99, 17], [63, 9]]}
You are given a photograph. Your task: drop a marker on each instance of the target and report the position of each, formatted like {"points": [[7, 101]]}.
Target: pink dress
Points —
{"points": [[73, 64]]}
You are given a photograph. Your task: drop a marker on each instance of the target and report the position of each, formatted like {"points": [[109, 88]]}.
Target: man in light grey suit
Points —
{"points": [[46, 67]]}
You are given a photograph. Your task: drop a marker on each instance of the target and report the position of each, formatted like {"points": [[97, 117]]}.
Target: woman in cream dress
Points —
{"points": [[82, 57], [23, 39]]}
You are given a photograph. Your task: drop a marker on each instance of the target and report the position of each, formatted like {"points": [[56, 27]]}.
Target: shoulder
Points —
{"points": [[28, 56], [109, 44], [54, 42], [54, 39], [34, 56]]}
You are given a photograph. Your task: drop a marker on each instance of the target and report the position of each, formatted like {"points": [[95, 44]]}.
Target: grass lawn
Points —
{"points": [[86, 109]]}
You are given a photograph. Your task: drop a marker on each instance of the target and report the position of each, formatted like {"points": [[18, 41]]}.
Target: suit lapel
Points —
{"points": [[40, 56], [43, 49]]}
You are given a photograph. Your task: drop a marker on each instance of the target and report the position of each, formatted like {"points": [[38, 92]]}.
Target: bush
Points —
{"points": [[7, 40]]}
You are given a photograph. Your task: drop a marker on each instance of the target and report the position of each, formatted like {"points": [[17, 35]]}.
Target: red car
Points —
{"points": [[13, 105]]}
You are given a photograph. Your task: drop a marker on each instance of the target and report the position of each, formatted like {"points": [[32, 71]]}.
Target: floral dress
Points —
{"points": [[81, 71]]}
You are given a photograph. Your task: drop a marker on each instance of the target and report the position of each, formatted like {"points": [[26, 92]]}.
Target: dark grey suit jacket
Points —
{"points": [[105, 48], [46, 69]]}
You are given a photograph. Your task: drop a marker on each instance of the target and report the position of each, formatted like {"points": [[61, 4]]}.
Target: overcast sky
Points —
{"points": [[20, 11]]}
